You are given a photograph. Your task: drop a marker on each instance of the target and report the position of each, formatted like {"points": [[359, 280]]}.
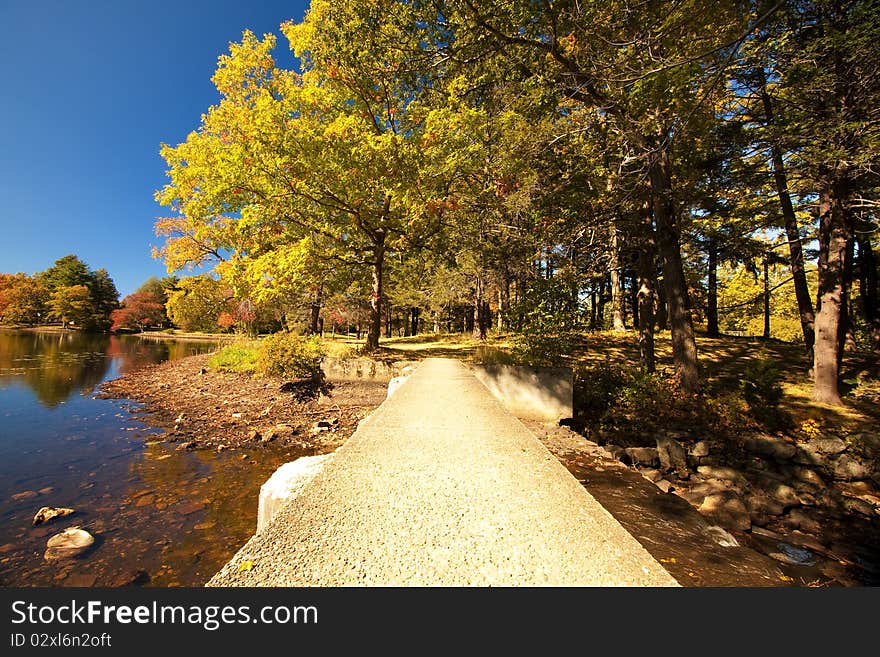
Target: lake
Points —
{"points": [[160, 517]]}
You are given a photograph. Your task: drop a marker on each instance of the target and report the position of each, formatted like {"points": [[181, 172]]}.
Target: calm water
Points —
{"points": [[171, 518]]}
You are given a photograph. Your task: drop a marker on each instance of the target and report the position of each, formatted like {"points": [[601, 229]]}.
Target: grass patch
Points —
{"points": [[240, 357]]}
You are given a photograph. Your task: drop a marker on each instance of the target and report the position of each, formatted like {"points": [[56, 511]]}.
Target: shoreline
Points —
{"points": [[202, 408], [158, 335]]}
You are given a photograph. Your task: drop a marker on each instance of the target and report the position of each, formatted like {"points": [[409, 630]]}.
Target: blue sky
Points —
{"points": [[90, 89]]}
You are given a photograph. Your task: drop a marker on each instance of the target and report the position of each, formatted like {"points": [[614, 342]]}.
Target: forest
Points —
{"points": [[549, 168]]}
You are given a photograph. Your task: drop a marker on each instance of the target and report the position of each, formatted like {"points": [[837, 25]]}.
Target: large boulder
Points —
{"points": [[672, 454], [285, 484], [395, 383], [642, 456], [847, 468], [727, 510], [828, 446], [771, 447], [700, 449], [72, 542], [721, 472]]}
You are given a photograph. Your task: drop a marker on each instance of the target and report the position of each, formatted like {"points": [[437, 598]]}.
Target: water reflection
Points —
{"points": [[161, 516], [56, 365]]}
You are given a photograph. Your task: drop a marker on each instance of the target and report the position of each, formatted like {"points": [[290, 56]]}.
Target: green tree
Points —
{"points": [[648, 68], [66, 272], [71, 271], [829, 86], [105, 299]]}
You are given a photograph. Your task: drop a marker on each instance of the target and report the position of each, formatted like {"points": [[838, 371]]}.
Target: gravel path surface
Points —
{"points": [[441, 486]]}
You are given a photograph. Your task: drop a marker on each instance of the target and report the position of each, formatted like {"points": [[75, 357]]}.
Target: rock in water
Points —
{"points": [[48, 513], [72, 542], [132, 578]]}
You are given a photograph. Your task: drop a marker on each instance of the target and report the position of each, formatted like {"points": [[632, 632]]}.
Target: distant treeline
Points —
{"points": [[69, 292]]}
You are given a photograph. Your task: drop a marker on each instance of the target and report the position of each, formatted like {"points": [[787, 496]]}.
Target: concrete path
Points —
{"points": [[441, 486]]}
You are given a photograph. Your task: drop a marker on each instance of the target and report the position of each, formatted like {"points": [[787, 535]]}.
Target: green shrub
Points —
{"points": [[290, 356], [647, 399], [596, 388], [239, 357], [547, 315], [761, 386], [629, 406]]}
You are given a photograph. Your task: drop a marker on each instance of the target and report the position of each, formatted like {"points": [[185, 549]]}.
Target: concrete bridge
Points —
{"points": [[441, 485]]}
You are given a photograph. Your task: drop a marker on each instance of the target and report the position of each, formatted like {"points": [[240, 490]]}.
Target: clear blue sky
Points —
{"points": [[90, 89]]}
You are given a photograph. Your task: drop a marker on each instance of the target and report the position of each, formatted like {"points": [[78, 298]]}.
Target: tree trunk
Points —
{"points": [[766, 296], [684, 345], [634, 295], [660, 314], [647, 274], [375, 328], [712, 291], [315, 312], [414, 323], [593, 302], [617, 321], [501, 310], [845, 336], [600, 308], [833, 238], [868, 289], [479, 328], [796, 253]]}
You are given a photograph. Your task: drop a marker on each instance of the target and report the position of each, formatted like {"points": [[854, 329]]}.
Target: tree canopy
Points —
{"points": [[520, 166]]}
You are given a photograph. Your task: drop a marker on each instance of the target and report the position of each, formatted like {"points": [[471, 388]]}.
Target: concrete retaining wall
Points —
{"points": [[354, 369], [285, 484], [533, 393]]}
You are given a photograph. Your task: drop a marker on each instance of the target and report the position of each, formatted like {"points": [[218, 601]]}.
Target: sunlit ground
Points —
{"points": [[722, 360]]}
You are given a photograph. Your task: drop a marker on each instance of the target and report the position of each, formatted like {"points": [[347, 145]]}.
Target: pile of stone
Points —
{"points": [[765, 479]]}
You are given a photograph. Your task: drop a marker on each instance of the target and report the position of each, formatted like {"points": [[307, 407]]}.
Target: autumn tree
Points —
{"points": [[23, 299], [829, 84], [139, 310], [326, 164], [197, 302], [72, 304]]}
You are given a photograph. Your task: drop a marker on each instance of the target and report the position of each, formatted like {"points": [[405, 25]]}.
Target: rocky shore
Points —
{"points": [[813, 502], [204, 409]]}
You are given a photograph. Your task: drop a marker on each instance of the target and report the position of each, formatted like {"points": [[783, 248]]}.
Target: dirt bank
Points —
{"points": [[202, 408]]}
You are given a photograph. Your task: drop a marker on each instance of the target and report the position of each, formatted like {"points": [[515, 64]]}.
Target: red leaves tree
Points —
{"points": [[139, 310]]}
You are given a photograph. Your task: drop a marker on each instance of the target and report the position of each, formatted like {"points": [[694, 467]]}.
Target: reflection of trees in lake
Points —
{"points": [[55, 365], [133, 353]]}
